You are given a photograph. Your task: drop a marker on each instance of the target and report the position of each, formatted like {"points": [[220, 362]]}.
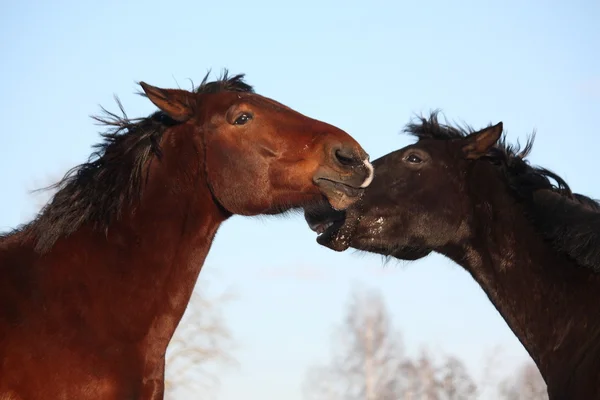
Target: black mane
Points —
{"points": [[569, 221], [224, 84], [96, 192]]}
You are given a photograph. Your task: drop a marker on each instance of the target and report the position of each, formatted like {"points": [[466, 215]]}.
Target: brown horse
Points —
{"points": [[92, 290], [470, 196]]}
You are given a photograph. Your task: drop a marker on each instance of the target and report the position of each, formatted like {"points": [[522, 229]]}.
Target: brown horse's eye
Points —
{"points": [[414, 159], [243, 119]]}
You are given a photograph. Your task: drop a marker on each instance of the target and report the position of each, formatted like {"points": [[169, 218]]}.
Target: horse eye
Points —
{"points": [[243, 119], [414, 159]]}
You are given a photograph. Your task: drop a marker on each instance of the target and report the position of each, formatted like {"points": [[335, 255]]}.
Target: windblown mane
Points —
{"points": [[569, 221], [97, 191]]}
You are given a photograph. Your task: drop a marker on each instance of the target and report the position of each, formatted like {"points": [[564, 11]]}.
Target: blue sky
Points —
{"points": [[366, 67]]}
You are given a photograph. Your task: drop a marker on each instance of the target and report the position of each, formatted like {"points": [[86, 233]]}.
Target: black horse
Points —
{"points": [[533, 245]]}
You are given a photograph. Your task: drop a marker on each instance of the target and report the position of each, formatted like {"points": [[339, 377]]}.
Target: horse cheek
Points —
{"points": [[238, 181]]}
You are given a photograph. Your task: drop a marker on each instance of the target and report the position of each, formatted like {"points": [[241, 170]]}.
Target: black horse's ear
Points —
{"points": [[479, 143], [176, 103]]}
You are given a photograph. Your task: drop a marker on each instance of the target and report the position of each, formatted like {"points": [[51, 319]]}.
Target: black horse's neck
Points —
{"points": [[549, 302]]}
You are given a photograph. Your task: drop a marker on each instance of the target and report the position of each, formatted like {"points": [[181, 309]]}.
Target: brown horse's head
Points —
{"points": [[261, 156]]}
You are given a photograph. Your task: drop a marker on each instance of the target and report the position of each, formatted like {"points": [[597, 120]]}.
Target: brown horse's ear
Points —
{"points": [[176, 103], [479, 143]]}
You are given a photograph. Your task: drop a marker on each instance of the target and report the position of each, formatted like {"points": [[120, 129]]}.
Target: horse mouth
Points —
{"points": [[332, 226], [340, 195], [327, 231]]}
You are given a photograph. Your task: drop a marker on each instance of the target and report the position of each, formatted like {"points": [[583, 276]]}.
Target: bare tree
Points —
{"points": [[424, 379], [419, 379], [456, 383], [369, 363], [528, 384], [366, 359], [202, 344]]}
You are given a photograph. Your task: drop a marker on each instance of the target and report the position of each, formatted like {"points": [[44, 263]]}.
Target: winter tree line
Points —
{"points": [[368, 361]]}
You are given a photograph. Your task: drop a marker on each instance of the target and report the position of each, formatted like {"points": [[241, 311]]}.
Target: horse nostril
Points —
{"points": [[347, 157]]}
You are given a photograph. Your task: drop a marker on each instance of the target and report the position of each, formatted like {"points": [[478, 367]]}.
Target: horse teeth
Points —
{"points": [[320, 228], [314, 227]]}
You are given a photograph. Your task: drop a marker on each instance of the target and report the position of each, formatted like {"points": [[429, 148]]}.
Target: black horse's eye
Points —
{"points": [[414, 159], [243, 119]]}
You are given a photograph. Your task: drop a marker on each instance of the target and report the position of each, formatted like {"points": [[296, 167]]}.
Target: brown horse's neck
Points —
{"points": [[534, 288], [140, 273]]}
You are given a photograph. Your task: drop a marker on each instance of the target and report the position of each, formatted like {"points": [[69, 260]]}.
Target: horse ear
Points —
{"points": [[479, 143], [176, 103]]}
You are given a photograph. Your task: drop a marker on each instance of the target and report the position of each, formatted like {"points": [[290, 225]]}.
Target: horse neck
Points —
{"points": [[151, 256], [535, 289]]}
